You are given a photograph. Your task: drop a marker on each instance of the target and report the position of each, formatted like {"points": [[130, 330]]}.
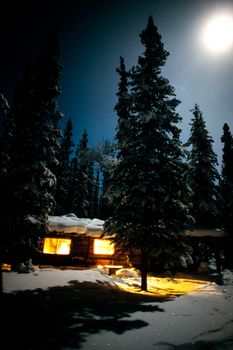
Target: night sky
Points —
{"points": [[93, 36]]}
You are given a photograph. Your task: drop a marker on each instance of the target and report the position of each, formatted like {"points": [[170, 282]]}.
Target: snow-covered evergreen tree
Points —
{"points": [[226, 189], [96, 190], [5, 204], [148, 186], [123, 110], [227, 156], [92, 191], [105, 203], [63, 170], [203, 175], [73, 185], [6, 135], [34, 148], [4, 109], [5, 142], [106, 157], [79, 181]]}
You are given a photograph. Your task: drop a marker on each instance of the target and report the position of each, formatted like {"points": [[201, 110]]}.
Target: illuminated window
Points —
{"points": [[103, 246], [57, 246]]}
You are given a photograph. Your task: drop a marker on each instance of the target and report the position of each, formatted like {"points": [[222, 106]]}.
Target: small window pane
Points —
{"points": [[103, 246]]}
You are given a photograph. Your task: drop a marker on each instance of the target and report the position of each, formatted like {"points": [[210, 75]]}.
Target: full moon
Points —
{"points": [[217, 35]]}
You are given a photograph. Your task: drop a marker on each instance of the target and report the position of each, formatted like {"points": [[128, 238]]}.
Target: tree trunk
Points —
{"points": [[144, 270]]}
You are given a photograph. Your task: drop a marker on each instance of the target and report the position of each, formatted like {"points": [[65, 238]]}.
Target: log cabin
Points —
{"points": [[83, 241], [80, 241]]}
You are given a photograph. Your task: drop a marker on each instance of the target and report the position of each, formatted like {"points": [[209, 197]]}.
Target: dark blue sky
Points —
{"points": [[93, 36]]}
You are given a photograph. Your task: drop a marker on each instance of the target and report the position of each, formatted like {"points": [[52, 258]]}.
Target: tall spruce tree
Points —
{"points": [[148, 185], [96, 195], [227, 156], [106, 157], [203, 175], [123, 110], [105, 207], [90, 187], [63, 172], [73, 185], [5, 145], [34, 149], [4, 109], [79, 182], [6, 139], [226, 189], [5, 142]]}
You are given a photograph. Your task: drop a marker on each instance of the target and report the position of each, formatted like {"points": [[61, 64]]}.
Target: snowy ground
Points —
{"points": [[88, 309]]}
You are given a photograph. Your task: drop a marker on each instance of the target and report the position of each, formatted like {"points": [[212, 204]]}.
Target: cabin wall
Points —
{"points": [[82, 252]]}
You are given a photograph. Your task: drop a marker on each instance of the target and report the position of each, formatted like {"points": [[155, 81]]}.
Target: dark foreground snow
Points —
{"points": [[88, 309]]}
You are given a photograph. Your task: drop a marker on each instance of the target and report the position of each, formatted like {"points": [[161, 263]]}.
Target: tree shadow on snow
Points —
{"points": [[62, 317]]}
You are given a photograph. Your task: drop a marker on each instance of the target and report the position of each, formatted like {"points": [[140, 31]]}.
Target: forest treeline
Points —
{"points": [[145, 183]]}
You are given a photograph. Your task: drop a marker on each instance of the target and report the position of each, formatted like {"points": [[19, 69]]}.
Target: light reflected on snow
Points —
{"points": [[167, 286]]}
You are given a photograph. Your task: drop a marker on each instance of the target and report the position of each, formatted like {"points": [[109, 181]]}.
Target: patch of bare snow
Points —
{"points": [[50, 277]]}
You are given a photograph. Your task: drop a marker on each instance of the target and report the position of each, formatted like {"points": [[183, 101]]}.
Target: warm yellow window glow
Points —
{"points": [[103, 246], [59, 246], [6, 267]]}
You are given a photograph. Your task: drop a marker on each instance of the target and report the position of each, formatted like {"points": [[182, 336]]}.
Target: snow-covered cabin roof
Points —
{"points": [[70, 223]]}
